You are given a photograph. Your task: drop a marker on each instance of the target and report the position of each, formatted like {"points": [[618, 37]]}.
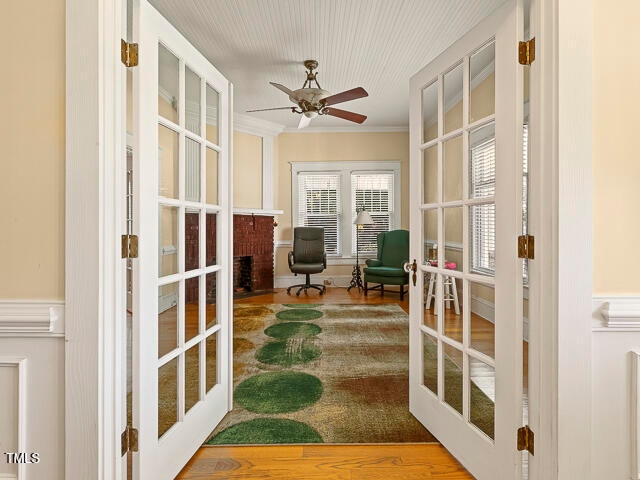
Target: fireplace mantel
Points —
{"points": [[257, 211]]}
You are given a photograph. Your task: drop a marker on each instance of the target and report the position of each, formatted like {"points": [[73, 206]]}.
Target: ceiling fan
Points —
{"points": [[314, 101]]}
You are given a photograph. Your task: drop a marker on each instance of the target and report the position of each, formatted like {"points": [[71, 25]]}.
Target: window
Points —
{"points": [[327, 194], [483, 216], [319, 206], [374, 193]]}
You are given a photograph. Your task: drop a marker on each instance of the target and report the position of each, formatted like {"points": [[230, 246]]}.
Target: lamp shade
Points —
{"points": [[363, 218]]}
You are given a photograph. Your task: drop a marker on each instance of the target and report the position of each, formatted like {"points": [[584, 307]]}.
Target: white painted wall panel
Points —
{"points": [[9, 387], [43, 423], [612, 415]]}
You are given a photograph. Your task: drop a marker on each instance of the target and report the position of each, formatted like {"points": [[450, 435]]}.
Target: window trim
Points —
{"points": [[345, 169]]}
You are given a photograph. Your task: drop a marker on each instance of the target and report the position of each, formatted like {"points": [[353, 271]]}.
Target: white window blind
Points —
{"points": [[319, 206], [483, 217], [374, 193]]}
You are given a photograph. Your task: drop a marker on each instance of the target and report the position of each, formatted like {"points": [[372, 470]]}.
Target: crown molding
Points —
{"points": [[255, 126]]}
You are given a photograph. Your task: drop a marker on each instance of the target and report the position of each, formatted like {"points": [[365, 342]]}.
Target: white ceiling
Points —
{"points": [[375, 44]]}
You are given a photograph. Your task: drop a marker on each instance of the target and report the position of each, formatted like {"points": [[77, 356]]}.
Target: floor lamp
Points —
{"points": [[363, 218]]}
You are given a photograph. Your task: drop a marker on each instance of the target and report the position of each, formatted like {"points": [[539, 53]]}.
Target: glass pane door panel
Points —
{"points": [[482, 161], [167, 318], [482, 83], [452, 362], [482, 298], [430, 169], [168, 153], [192, 101], [483, 238], [212, 177], [192, 171], [452, 310], [482, 395], [211, 299], [168, 67], [213, 108], [452, 169], [212, 361], [191, 240], [168, 240], [429, 316], [453, 98], [430, 112], [430, 362], [430, 226], [167, 396], [210, 237], [453, 254], [191, 377], [191, 308]]}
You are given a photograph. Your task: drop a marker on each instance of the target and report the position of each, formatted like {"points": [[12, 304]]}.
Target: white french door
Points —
{"points": [[182, 214], [465, 217]]}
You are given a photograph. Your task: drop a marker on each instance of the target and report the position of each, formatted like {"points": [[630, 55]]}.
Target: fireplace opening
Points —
{"points": [[242, 269]]}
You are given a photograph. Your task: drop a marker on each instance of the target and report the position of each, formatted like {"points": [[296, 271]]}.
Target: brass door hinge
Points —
{"points": [[129, 246], [129, 440], [129, 53], [526, 245], [527, 51], [525, 439]]}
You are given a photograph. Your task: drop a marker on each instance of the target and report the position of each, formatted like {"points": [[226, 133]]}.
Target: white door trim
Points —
{"points": [[95, 147]]}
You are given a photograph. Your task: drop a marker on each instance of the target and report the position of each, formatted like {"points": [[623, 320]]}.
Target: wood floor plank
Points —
{"points": [[331, 462]]}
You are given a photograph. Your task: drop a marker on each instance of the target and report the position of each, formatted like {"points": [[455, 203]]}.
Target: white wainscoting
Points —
{"points": [[32, 343], [615, 423]]}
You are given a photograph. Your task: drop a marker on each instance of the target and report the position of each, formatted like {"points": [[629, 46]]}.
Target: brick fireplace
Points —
{"points": [[252, 253], [253, 237]]}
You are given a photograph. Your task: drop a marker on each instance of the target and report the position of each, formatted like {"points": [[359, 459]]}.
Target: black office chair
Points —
{"points": [[308, 256]]}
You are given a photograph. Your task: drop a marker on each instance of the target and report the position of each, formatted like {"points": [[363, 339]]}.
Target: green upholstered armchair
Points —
{"points": [[388, 268]]}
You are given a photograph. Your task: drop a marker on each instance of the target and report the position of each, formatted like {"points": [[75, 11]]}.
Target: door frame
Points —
{"points": [[94, 121]]}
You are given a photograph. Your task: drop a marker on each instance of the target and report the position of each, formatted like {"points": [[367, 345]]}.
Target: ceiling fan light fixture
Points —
{"points": [[311, 114]]}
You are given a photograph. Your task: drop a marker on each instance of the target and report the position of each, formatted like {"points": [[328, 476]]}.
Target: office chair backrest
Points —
{"points": [[308, 244]]}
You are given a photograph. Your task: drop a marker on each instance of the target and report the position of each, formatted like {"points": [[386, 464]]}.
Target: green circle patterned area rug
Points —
{"points": [[300, 314], [293, 330], [278, 392], [265, 431], [288, 352]]}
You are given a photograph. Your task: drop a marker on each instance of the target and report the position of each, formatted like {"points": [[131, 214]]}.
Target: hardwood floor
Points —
{"points": [[325, 462]]}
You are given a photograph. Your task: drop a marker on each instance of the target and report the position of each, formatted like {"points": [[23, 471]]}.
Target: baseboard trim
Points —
{"points": [[616, 314], [31, 318]]}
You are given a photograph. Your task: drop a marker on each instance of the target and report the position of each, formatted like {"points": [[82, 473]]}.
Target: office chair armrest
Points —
{"points": [[290, 259], [324, 259]]}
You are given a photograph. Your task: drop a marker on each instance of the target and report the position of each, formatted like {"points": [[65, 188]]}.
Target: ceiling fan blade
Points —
{"points": [[304, 121], [267, 109], [284, 89], [345, 96], [351, 116]]}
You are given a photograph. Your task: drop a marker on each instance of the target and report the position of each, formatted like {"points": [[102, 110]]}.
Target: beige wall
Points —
{"points": [[331, 147], [616, 161], [32, 192], [32, 135], [247, 170]]}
